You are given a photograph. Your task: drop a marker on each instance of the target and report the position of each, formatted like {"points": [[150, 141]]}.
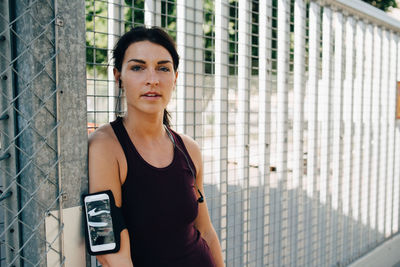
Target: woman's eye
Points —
{"points": [[136, 68], [165, 69]]}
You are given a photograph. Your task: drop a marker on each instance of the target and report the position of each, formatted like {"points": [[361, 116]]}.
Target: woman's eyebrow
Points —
{"points": [[137, 60], [164, 62], [144, 62]]}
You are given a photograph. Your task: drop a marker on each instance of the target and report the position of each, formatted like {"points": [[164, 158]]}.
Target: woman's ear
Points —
{"points": [[117, 77], [176, 78]]}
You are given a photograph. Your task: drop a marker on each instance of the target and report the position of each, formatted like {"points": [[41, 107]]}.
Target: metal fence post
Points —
{"points": [[73, 123], [36, 124], [9, 227], [72, 107]]}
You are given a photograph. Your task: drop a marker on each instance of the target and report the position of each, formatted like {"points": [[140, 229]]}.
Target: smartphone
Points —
{"points": [[99, 223]]}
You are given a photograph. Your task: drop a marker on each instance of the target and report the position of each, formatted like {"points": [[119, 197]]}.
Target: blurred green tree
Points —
{"points": [[382, 4]]}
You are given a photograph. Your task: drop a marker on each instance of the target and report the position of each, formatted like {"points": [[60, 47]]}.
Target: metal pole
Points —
{"points": [[60, 199], [9, 207]]}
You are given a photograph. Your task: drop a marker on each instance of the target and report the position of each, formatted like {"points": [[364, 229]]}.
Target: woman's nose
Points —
{"points": [[152, 78]]}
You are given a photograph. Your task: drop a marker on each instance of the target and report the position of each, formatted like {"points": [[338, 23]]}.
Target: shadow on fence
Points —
{"points": [[287, 235]]}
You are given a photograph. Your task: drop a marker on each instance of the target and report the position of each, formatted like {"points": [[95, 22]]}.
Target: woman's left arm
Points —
{"points": [[203, 221], [205, 227]]}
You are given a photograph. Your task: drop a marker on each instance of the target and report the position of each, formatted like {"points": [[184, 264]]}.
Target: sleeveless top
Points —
{"points": [[159, 207]]}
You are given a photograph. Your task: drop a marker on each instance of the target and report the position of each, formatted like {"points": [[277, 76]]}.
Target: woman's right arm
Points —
{"points": [[104, 175]]}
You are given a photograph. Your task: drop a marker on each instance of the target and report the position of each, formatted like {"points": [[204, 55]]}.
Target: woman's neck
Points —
{"points": [[145, 127]]}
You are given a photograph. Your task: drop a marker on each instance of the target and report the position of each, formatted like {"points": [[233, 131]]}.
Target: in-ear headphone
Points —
{"points": [[117, 103], [201, 198]]}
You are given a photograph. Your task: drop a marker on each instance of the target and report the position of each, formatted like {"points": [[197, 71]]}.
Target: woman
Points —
{"points": [[155, 174]]}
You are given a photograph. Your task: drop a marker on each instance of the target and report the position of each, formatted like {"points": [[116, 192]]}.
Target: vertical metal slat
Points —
{"points": [[383, 137], [376, 85], [358, 133], [391, 135], [337, 164], [264, 116], [396, 213], [221, 112], [348, 137], [312, 132], [391, 89], [150, 12], [242, 133], [282, 223], [298, 224], [115, 29], [181, 45], [324, 107], [396, 182], [366, 119]]}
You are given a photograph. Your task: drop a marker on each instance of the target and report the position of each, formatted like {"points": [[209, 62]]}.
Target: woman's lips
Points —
{"points": [[151, 96]]}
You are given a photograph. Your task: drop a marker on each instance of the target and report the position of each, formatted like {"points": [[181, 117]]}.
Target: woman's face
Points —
{"points": [[148, 77]]}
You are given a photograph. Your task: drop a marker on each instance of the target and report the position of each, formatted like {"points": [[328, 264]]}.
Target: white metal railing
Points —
{"points": [[296, 119]]}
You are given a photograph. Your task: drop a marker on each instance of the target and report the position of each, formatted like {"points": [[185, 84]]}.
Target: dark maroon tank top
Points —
{"points": [[159, 207]]}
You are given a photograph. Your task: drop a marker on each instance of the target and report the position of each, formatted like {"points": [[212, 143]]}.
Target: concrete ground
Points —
{"points": [[386, 254]]}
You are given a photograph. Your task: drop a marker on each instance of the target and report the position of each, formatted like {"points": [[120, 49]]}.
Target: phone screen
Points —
{"points": [[99, 221]]}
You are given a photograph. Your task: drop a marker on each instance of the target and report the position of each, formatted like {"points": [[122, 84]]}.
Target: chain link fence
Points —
{"points": [[29, 127], [34, 105]]}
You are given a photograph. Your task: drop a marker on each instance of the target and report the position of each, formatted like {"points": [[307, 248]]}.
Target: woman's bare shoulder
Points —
{"points": [[104, 149], [104, 157], [194, 150], [190, 143], [102, 137]]}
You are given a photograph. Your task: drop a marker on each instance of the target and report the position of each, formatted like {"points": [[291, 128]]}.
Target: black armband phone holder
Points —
{"points": [[104, 222]]}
